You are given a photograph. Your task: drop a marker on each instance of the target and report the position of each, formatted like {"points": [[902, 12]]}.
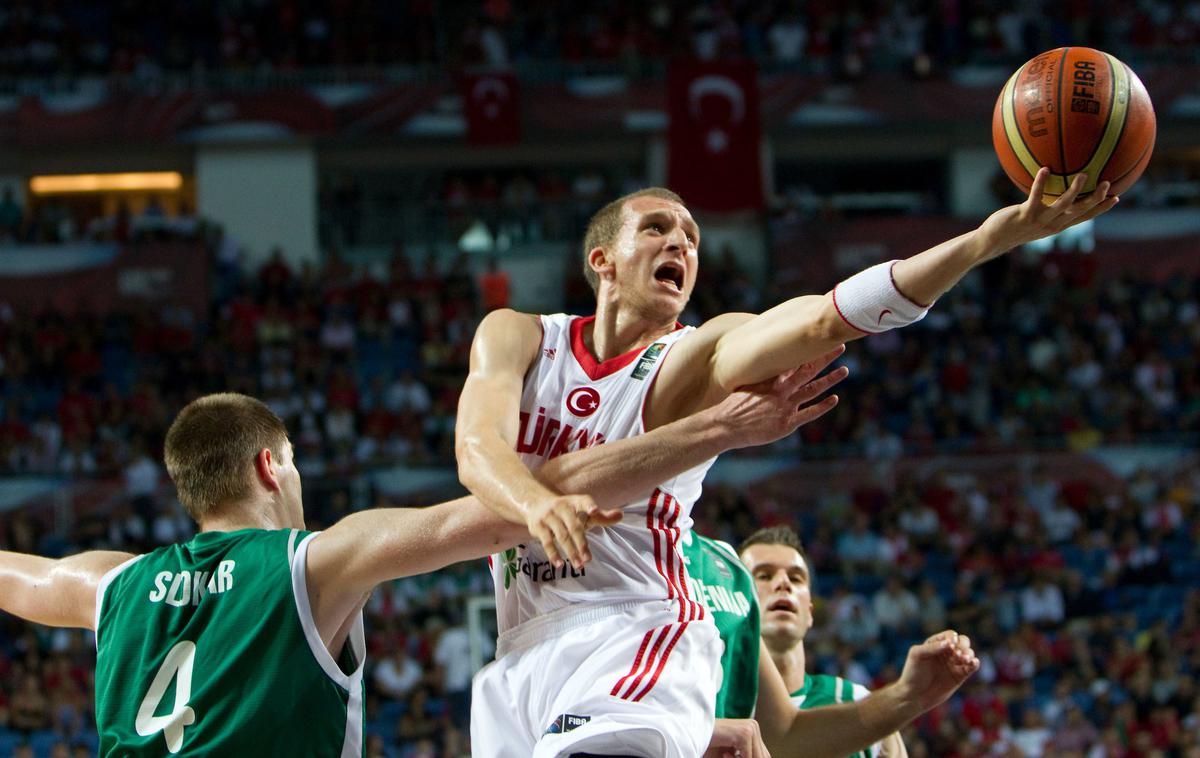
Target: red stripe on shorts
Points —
{"points": [[662, 662], [637, 663], [662, 637]]}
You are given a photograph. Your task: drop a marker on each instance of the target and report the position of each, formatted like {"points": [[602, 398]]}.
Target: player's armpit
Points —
{"points": [[55, 592], [349, 558]]}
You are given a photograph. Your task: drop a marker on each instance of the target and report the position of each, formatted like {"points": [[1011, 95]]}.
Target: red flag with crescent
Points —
{"points": [[492, 105], [715, 158]]}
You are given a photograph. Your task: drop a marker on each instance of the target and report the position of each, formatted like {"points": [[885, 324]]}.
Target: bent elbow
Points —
{"points": [[470, 452]]}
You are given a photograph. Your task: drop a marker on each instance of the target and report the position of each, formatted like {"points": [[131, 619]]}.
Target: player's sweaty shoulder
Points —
{"points": [[508, 336], [685, 382]]}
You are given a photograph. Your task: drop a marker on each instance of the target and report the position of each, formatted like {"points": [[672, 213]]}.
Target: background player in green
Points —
{"points": [[821, 727], [776, 562], [247, 640]]}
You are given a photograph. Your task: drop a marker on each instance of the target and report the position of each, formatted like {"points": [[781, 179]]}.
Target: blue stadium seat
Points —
{"points": [[43, 742], [9, 742]]}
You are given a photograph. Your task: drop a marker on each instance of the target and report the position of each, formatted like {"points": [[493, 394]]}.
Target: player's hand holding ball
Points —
{"points": [[1071, 127], [1033, 219]]}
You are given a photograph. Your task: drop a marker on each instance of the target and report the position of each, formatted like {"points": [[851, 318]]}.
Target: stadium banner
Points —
{"points": [[103, 279], [492, 107], [714, 135]]}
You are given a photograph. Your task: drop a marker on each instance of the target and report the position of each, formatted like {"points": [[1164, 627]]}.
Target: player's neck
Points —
{"points": [[616, 331], [250, 515], [791, 662]]}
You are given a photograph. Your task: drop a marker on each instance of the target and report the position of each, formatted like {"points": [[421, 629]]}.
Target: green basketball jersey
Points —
{"points": [[719, 580], [822, 689], [208, 648]]}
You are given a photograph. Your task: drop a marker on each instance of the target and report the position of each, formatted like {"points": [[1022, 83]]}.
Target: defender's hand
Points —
{"points": [[773, 409], [560, 523], [1036, 218], [936, 668], [736, 738]]}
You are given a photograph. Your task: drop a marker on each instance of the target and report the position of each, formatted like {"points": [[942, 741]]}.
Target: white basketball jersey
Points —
{"points": [[571, 401]]}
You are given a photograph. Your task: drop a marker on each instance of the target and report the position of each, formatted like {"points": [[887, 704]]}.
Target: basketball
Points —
{"points": [[1074, 110]]}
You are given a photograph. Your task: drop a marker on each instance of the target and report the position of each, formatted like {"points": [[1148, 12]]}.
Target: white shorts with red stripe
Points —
{"points": [[637, 678]]}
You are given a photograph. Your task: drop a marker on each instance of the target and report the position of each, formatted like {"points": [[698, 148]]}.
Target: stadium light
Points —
{"points": [[130, 182]]}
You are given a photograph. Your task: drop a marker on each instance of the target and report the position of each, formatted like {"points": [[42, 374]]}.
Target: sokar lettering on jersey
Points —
{"points": [[549, 438]]}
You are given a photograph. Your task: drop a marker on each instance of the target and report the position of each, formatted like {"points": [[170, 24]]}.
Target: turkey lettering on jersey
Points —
{"points": [[548, 438]]}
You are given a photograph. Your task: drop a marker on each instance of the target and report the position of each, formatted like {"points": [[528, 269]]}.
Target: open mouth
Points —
{"points": [[671, 273], [782, 604]]}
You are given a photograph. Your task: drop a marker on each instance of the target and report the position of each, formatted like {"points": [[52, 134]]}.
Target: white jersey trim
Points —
{"points": [[352, 682], [102, 587]]}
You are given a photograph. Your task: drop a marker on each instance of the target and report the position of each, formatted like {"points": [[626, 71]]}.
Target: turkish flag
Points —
{"points": [[492, 104], [715, 159]]}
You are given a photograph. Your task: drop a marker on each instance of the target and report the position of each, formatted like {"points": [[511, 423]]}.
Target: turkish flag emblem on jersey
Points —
{"points": [[715, 159], [492, 105]]}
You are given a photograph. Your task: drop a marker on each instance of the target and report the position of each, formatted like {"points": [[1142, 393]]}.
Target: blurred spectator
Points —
{"points": [[494, 285], [397, 675]]}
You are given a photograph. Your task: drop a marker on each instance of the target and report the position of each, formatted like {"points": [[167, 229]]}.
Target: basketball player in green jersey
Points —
{"points": [[248, 639], [777, 566], [798, 719]]}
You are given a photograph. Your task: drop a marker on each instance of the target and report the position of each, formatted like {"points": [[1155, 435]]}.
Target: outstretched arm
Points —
{"points": [[55, 592], [748, 348], [934, 670]]}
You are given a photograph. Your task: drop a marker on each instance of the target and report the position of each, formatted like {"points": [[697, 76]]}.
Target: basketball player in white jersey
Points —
{"points": [[612, 656]]}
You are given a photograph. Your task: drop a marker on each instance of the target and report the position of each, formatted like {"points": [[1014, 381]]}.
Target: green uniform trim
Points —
{"points": [[822, 689], [717, 578], [209, 648]]}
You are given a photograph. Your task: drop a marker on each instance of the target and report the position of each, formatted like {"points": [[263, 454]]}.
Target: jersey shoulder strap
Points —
{"points": [[105, 581]]}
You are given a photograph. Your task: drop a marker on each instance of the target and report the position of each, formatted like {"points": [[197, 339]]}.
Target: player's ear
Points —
{"points": [[601, 262], [265, 467]]}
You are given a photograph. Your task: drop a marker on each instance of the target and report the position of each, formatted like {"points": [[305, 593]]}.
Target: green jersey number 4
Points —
{"points": [[177, 663]]}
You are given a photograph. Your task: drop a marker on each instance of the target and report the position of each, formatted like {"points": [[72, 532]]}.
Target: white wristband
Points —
{"points": [[870, 302]]}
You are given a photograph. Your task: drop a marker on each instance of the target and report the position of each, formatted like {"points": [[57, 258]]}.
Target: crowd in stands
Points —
{"points": [[73, 38], [365, 365], [1081, 599]]}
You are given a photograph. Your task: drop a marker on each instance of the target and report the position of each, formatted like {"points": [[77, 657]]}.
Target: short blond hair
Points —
{"points": [[211, 447], [605, 225]]}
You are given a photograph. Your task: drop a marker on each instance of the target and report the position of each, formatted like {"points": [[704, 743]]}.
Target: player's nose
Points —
{"points": [[782, 581], [676, 238]]}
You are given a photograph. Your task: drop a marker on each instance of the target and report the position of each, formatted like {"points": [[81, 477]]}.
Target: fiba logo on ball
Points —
{"points": [[583, 402]]}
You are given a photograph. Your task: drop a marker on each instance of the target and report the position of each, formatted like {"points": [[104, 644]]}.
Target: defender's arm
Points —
{"points": [[617, 472], [934, 670], [55, 592], [751, 349]]}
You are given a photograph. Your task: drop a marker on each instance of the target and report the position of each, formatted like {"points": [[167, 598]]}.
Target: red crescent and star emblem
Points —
{"points": [[583, 401]]}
